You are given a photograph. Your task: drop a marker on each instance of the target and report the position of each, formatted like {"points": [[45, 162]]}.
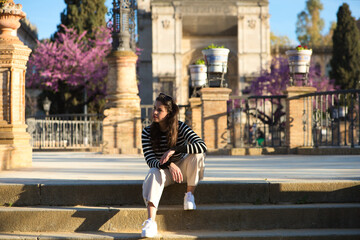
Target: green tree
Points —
{"points": [[84, 15], [279, 40], [309, 24], [327, 39], [345, 62]]}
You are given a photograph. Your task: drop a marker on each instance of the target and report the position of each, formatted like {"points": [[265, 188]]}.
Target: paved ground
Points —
{"points": [[70, 166]]}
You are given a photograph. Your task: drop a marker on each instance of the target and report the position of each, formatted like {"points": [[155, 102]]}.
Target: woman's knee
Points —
{"points": [[154, 171], [154, 177], [199, 157], [196, 160], [153, 174]]}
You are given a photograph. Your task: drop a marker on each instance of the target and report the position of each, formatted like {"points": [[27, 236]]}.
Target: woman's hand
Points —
{"points": [[166, 156], [175, 173]]}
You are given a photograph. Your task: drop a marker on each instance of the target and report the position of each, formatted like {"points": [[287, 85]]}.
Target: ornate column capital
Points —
{"points": [[154, 16], [240, 17]]}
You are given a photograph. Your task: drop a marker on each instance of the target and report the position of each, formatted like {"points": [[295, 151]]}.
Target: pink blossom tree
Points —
{"points": [[276, 80], [68, 67]]}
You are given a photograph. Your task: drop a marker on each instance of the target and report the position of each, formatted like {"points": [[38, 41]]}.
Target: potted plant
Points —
{"points": [[198, 73], [299, 59], [216, 58]]}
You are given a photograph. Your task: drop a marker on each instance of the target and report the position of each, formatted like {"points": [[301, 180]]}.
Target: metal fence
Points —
{"points": [[65, 131], [334, 118], [259, 121], [256, 121], [70, 131]]}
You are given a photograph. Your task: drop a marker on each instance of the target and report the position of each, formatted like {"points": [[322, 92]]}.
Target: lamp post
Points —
{"points": [[123, 29], [46, 106]]}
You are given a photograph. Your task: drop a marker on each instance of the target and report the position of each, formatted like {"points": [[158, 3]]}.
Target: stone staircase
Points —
{"points": [[226, 210]]}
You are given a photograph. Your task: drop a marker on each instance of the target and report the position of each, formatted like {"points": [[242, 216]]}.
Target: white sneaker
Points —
{"points": [[150, 229], [189, 201]]}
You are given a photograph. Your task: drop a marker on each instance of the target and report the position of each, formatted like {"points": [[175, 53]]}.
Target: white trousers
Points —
{"points": [[192, 167]]}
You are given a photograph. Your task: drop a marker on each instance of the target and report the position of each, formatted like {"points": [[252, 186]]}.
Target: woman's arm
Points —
{"points": [[195, 143]]}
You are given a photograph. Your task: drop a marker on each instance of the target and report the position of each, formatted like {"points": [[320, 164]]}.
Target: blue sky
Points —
{"points": [[45, 14]]}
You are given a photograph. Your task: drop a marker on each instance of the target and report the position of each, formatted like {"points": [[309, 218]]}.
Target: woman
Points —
{"points": [[174, 153]]}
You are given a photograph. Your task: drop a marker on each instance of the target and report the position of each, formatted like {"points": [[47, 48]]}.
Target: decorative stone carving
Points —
{"points": [[209, 9], [241, 17], [165, 23], [178, 16], [154, 16], [264, 18], [252, 23], [10, 14]]}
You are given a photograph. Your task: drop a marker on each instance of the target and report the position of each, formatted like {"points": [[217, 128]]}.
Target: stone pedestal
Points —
{"points": [[298, 116], [122, 123], [15, 149], [196, 121], [214, 117]]}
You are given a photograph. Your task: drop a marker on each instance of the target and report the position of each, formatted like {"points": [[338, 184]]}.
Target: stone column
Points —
{"points": [[214, 117], [122, 124], [196, 121], [15, 149], [298, 111]]}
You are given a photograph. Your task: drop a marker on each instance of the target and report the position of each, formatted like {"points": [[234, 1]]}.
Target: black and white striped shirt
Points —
{"points": [[187, 142]]}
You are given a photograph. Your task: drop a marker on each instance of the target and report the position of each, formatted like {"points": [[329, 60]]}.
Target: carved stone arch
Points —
{"points": [[191, 56]]}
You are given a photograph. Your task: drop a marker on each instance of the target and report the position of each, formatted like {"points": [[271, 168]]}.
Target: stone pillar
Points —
{"points": [[122, 123], [15, 149], [214, 117], [298, 111], [196, 121]]}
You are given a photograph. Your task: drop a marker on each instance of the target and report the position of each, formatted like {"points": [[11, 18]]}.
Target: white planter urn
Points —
{"points": [[216, 59], [299, 60], [198, 74]]}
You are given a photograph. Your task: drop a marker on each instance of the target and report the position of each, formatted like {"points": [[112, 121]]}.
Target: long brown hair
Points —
{"points": [[171, 123]]}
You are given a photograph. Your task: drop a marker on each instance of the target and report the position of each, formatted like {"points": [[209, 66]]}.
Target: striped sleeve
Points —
{"points": [[194, 143], [148, 151]]}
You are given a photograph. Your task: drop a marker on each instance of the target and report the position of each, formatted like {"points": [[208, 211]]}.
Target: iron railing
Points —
{"points": [[334, 118], [256, 121], [69, 131], [252, 121], [65, 131]]}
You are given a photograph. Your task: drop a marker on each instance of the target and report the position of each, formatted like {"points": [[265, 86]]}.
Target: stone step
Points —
{"points": [[173, 218], [93, 193], [302, 234]]}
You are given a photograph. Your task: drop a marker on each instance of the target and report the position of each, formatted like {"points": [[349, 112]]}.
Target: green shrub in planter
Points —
{"points": [[216, 58], [198, 73]]}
